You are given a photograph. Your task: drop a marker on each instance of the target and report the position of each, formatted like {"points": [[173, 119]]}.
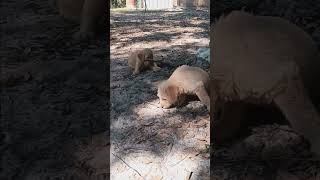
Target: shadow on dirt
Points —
{"points": [[178, 19], [140, 129], [63, 99]]}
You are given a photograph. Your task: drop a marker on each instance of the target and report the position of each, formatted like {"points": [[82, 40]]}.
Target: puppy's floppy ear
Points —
{"points": [[172, 91]]}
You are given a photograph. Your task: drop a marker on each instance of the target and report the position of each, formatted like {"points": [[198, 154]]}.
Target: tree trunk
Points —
{"points": [[145, 5]]}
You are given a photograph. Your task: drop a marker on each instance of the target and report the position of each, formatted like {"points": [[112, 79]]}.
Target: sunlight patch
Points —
{"points": [[178, 164], [149, 109]]}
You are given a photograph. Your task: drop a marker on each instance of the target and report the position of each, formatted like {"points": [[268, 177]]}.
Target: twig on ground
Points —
{"points": [[128, 165], [190, 175], [180, 160]]}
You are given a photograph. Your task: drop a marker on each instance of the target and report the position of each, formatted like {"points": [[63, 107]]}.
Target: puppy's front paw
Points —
{"points": [[134, 74]]}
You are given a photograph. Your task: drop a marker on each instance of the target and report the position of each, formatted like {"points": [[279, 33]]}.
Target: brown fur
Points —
{"points": [[265, 60], [141, 60], [86, 12], [184, 81]]}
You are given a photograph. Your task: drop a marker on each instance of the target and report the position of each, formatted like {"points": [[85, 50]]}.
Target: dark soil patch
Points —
{"points": [[60, 102]]}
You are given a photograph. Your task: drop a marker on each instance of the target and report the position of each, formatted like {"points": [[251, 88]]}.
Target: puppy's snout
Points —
{"points": [[162, 105]]}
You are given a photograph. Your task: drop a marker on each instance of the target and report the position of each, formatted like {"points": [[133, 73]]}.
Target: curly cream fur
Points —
{"points": [[184, 81], [260, 59]]}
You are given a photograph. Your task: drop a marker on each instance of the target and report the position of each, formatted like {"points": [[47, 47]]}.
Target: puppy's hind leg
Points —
{"points": [[155, 67], [138, 67], [297, 107], [203, 94]]}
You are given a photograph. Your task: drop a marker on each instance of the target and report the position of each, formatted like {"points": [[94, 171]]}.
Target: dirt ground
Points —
{"points": [[148, 142], [145, 139], [54, 118]]}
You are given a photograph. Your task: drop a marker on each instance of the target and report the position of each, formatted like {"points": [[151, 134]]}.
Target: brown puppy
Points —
{"points": [[185, 80], [265, 60], [142, 59], [86, 12]]}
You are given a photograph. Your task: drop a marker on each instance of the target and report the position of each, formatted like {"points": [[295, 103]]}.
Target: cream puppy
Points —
{"points": [[142, 59], [184, 81]]}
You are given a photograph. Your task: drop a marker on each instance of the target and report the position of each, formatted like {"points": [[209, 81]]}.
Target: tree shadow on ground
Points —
{"points": [[181, 19], [138, 126], [140, 90], [157, 136]]}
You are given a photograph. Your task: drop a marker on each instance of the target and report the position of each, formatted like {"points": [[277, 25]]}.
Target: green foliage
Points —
{"points": [[117, 3]]}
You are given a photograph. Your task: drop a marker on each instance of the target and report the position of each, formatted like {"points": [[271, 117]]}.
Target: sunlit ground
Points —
{"points": [[160, 143], [148, 142], [178, 163]]}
